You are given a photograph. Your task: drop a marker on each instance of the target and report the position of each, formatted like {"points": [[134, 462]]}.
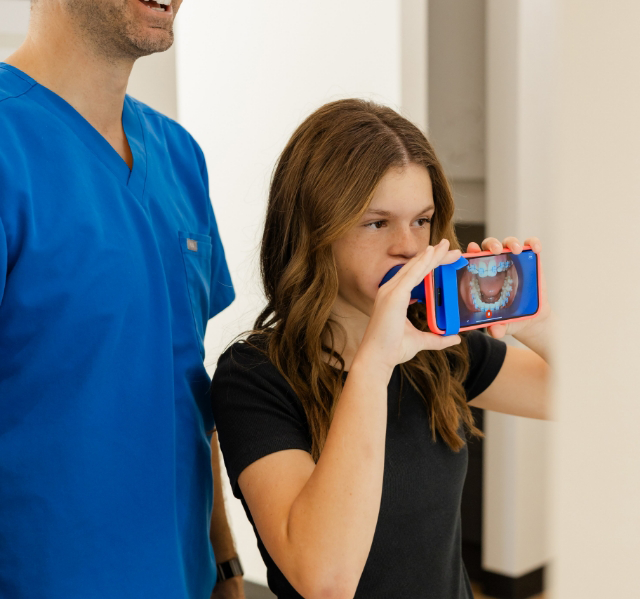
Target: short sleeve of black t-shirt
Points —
{"points": [[486, 356], [257, 413], [255, 410]]}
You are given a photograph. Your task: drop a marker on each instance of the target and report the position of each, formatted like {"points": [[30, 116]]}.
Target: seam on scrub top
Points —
{"points": [[144, 143], [19, 95]]}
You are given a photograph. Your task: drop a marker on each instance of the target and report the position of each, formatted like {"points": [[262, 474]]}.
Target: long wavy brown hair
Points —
{"points": [[322, 184]]}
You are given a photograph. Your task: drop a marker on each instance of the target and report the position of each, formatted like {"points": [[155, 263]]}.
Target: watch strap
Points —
{"points": [[229, 569]]}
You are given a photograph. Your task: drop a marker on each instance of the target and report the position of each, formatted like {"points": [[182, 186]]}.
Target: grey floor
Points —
{"points": [[257, 591]]}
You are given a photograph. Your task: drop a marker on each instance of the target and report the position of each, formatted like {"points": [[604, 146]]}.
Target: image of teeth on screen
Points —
{"points": [[498, 287]]}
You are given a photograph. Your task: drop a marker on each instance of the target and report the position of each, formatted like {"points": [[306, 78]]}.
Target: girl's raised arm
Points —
{"points": [[317, 521], [522, 385]]}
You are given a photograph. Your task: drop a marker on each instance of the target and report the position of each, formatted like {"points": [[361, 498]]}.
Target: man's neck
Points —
{"points": [[93, 85]]}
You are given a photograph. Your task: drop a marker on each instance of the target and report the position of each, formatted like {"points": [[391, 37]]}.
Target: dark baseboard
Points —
{"points": [[472, 558], [507, 587]]}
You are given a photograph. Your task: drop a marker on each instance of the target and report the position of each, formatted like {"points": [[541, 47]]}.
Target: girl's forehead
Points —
{"points": [[406, 178], [406, 188]]}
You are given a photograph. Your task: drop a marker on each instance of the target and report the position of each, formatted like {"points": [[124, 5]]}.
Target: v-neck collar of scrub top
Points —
{"points": [[134, 179]]}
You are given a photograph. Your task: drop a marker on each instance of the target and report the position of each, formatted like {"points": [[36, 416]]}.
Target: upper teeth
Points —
{"points": [[488, 268], [163, 2]]}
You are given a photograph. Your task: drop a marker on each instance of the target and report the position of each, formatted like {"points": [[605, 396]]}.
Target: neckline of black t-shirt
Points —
{"points": [[346, 372]]}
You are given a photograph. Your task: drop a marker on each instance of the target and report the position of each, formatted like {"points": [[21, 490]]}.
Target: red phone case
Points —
{"points": [[431, 305]]}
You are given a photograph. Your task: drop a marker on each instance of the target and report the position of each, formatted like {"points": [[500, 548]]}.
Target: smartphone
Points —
{"points": [[482, 289]]}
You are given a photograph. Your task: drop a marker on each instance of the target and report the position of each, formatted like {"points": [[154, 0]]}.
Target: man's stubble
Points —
{"points": [[111, 29]]}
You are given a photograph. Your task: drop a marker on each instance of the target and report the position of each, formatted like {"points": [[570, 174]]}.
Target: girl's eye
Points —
{"points": [[375, 224], [380, 223]]}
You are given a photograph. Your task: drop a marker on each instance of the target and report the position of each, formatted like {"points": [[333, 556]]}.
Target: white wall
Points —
{"points": [[415, 61], [595, 200], [14, 21], [248, 73], [153, 81], [566, 151]]}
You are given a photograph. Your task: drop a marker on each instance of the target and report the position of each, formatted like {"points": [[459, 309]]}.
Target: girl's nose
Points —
{"points": [[404, 244]]}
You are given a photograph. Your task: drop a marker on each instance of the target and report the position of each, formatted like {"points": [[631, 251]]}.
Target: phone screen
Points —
{"points": [[494, 288]]}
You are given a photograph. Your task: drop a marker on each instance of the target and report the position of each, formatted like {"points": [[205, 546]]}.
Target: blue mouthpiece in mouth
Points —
{"points": [[417, 293]]}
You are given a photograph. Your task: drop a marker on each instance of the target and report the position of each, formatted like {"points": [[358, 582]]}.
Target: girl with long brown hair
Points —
{"points": [[342, 420]]}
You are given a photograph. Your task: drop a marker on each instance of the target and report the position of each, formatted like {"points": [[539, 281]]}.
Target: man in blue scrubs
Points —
{"points": [[110, 267]]}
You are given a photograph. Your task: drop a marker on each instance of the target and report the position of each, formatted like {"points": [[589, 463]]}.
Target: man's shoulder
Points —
{"points": [[12, 85], [153, 113]]}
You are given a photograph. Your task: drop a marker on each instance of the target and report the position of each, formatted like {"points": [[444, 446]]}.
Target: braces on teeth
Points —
{"points": [[492, 271]]}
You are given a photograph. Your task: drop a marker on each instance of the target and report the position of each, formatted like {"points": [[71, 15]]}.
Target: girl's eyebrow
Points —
{"points": [[387, 213]]}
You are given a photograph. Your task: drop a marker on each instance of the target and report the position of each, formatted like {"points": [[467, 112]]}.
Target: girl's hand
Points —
{"points": [[390, 338], [491, 244]]}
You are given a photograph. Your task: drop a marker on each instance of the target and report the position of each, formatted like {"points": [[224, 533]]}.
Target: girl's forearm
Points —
{"points": [[538, 337], [332, 521]]}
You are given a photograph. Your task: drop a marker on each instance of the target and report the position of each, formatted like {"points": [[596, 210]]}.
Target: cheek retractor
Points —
{"points": [[417, 293]]}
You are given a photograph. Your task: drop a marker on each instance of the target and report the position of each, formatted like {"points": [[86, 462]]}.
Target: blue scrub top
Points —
{"points": [[107, 280]]}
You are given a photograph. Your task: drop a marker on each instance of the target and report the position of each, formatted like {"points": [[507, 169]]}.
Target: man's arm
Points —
{"points": [[220, 534]]}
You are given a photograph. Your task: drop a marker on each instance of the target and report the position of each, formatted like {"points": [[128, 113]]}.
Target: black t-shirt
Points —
{"points": [[416, 549]]}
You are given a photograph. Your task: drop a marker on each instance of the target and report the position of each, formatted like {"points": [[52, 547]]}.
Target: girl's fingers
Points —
{"points": [[439, 342], [497, 331], [512, 244], [534, 244], [422, 264], [491, 244], [441, 255], [451, 256], [473, 247], [410, 274]]}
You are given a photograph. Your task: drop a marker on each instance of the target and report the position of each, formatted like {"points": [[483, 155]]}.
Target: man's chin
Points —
{"points": [[151, 44]]}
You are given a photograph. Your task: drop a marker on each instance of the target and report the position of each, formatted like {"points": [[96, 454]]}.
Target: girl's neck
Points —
{"points": [[346, 340]]}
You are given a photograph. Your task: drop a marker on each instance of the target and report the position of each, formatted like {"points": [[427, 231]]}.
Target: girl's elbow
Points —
{"points": [[318, 583], [331, 591]]}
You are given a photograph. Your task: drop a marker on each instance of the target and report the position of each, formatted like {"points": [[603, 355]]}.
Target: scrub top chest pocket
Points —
{"points": [[196, 255]]}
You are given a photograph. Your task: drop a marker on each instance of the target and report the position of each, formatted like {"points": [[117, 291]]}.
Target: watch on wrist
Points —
{"points": [[229, 569]]}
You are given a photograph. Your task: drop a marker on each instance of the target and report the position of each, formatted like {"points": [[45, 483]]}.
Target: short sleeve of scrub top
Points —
{"points": [[108, 276]]}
